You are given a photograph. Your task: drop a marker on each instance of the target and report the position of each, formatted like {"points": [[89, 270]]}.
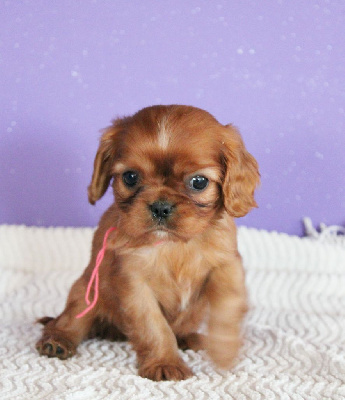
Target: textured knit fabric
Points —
{"points": [[294, 333]]}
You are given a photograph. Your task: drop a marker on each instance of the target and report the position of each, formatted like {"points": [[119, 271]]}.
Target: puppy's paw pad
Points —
{"points": [[51, 346], [166, 372]]}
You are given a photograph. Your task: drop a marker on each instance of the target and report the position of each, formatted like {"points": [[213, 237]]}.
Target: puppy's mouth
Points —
{"points": [[163, 232], [161, 235]]}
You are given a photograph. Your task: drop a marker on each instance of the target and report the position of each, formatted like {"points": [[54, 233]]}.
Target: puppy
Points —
{"points": [[166, 251]]}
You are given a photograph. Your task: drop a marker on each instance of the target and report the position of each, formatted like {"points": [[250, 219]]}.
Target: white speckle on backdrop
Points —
{"points": [[319, 155]]}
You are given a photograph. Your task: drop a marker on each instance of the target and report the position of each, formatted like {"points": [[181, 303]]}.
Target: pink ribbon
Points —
{"points": [[95, 277]]}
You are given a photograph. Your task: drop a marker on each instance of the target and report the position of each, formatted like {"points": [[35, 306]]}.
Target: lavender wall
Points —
{"points": [[276, 69]]}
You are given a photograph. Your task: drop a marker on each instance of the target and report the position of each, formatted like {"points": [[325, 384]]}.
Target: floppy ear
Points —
{"points": [[241, 174], [104, 159]]}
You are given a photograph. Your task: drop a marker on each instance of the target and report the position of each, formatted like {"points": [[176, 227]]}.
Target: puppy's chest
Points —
{"points": [[175, 288], [177, 278]]}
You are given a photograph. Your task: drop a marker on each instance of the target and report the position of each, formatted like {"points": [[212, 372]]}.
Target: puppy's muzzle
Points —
{"points": [[161, 211]]}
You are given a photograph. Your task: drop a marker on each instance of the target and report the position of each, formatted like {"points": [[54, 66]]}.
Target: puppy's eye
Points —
{"points": [[198, 183], [130, 178]]}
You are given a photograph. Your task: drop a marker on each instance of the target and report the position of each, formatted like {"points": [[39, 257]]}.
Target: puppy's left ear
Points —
{"points": [[241, 175], [104, 159]]}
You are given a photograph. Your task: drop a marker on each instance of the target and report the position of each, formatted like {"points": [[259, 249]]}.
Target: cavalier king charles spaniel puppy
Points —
{"points": [[165, 251]]}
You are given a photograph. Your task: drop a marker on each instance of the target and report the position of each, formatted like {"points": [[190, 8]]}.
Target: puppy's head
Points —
{"points": [[174, 170]]}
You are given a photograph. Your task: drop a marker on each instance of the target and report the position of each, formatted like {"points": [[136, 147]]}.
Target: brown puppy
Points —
{"points": [[179, 177]]}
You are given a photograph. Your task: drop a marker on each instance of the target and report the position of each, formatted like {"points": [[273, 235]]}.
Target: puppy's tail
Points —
{"points": [[44, 321]]}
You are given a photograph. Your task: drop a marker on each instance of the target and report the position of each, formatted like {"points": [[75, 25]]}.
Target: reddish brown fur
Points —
{"points": [[156, 295]]}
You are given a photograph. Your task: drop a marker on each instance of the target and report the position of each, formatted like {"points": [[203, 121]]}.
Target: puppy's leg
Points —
{"points": [[62, 335], [227, 298], [151, 335]]}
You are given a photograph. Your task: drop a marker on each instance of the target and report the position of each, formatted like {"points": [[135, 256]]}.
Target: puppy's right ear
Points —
{"points": [[104, 159]]}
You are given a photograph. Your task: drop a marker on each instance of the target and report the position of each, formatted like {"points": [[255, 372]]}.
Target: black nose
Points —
{"points": [[161, 209]]}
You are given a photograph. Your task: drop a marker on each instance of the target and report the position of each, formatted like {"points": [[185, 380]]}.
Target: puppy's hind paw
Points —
{"points": [[193, 341], [45, 320], [52, 346]]}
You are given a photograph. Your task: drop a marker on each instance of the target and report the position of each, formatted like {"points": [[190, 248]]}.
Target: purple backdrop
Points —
{"points": [[276, 69]]}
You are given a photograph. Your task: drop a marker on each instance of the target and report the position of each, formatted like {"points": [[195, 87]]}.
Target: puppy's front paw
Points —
{"points": [[55, 346], [223, 350], [165, 371]]}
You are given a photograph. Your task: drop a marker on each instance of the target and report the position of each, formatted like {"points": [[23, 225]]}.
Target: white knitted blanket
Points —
{"points": [[294, 333]]}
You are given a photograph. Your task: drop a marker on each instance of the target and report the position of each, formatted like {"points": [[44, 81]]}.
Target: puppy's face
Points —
{"points": [[174, 169]]}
